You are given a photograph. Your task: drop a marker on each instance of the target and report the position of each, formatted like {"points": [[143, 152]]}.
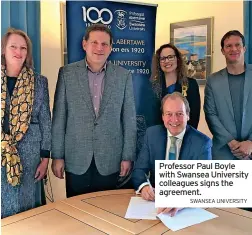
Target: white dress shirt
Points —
{"points": [[178, 144]]}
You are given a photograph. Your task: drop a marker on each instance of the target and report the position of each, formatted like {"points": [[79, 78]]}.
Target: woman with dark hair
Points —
{"points": [[169, 75], [26, 126]]}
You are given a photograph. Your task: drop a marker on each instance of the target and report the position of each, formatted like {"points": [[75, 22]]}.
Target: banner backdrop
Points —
{"points": [[133, 29]]}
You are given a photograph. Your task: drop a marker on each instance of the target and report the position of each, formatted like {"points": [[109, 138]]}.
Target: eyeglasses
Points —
{"points": [[169, 58]]}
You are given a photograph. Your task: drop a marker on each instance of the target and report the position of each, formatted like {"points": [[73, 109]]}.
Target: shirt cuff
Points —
{"points": [[44, 154], [140, 187]]}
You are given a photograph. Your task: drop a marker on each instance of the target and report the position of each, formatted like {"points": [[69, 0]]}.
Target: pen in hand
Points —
{"points": [[148, 181], [147, 191]]}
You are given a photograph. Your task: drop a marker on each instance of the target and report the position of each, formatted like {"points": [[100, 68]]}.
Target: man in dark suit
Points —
{"points": [[174, 141], [94, 119]]}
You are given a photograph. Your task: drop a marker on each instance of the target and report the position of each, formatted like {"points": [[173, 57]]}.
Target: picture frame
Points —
{"points": [[193, 38]]}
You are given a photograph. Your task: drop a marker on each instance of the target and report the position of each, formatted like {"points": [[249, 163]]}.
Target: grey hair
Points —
{"points": [[173, 96]]}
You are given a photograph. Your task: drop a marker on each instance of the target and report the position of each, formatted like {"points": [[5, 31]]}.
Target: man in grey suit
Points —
{"points": [[228, 99], [94, 119]]}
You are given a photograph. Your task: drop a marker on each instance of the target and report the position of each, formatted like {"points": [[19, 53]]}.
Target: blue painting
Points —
{"points": [[192, 43]]}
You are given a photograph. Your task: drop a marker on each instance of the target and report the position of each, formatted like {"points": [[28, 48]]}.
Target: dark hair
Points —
{"points": [[98, 27], [158, 76], [232, 33], [29, 60], [173, 96]]}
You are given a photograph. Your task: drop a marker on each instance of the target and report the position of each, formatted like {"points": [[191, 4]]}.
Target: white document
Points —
{"points": [[141, 209], [185, 218]]}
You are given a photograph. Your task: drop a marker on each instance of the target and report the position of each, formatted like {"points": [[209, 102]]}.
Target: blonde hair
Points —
{"points": [[29, 60]]}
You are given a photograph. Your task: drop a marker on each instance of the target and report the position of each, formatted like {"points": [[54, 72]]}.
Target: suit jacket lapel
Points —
{"points": [[226, 91], [109, 84], [162, 144], [82, 75], [247, 85], [247, 91], [186, 145]]}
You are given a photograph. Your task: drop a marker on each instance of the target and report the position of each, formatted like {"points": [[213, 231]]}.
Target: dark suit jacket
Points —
{"points": [[195, 146], [193, 97]]}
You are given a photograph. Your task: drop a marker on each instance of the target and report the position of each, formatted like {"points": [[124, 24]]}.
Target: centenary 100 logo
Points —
{"points": [[94, 15]]}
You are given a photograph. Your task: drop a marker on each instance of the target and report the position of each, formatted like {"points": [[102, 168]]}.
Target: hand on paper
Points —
{"points": [[171, 211], [147, 193]]}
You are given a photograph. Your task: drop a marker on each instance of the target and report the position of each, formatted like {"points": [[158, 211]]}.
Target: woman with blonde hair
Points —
{"points": [[26, 126], [169, 75]]}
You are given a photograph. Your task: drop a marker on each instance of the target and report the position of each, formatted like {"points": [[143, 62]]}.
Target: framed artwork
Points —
{"points": [[63, 33], [194, 40]]}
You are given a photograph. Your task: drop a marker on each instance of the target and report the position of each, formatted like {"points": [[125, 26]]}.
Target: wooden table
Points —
{"points": [[103, 213]]}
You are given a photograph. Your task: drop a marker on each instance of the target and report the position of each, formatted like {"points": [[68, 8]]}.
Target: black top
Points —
{"points": [[11, 82], [193, 97]]}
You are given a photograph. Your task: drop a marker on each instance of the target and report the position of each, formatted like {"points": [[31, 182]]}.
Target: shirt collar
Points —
{"points": [[103, 68], [179, 136]]}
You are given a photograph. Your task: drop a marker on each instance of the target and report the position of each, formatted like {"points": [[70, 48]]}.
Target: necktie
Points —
{"points": [[172, 151]]}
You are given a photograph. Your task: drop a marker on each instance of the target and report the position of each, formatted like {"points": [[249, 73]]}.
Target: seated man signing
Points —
{"points": [[175, 140]]}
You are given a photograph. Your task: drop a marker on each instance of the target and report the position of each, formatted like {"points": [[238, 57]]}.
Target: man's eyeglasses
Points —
{"points": [[169, 58]]}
